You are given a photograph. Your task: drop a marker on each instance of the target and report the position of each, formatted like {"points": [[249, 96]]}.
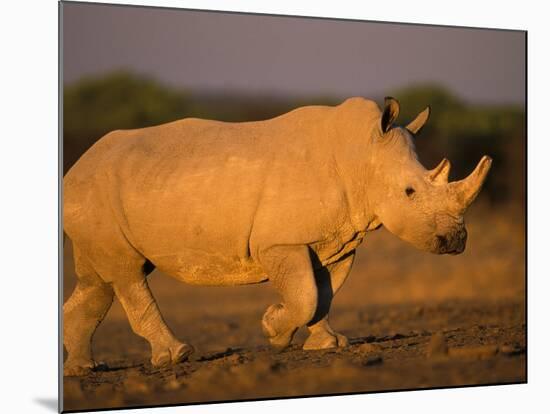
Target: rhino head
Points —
{"points": [[418, 205]]}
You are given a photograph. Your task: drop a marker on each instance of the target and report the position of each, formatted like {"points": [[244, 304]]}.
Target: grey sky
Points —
{"points": [[264, 54]]}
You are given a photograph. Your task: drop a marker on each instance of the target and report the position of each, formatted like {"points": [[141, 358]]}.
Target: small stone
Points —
{"points": [[372, 360], [235, 359], [369, 348], [437, 346], [511, 350]]}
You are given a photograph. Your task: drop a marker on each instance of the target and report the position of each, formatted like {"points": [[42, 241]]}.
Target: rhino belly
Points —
{"points": [[209, 269]]}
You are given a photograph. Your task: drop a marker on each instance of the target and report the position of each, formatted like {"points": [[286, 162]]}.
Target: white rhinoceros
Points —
{"points": [[287, 200]]}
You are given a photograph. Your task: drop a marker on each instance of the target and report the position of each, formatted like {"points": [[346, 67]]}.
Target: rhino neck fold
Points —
{"points": [[354, 173]]}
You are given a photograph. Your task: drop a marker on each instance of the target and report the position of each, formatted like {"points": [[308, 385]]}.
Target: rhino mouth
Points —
{"points": [[451, 244]]}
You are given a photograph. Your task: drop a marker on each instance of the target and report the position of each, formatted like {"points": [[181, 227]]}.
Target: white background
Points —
{"points": [[28, 231]]}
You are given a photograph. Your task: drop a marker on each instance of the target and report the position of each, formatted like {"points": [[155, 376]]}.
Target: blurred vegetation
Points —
{"points": [[457, 130]]}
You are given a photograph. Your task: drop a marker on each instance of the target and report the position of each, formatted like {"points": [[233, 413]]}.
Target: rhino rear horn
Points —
{"points": [[440, 174], [391, 111], [468, 188], [418, 123]]}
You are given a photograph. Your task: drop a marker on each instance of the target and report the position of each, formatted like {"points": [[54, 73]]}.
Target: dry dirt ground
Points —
{"points": [[414, 320]]}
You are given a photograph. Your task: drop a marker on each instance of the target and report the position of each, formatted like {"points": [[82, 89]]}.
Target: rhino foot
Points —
{"points": [[282, 341], [271, 325], [171, 355], [325, 340]]}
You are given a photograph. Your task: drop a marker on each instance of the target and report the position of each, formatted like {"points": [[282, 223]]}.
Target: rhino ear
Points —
{"points": [[416, 125], [391, 111]]}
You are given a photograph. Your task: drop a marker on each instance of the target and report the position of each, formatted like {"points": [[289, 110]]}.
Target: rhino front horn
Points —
{"points": [[468, 188]]}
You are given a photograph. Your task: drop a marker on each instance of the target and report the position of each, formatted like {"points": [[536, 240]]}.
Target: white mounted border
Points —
{"points": [[28, 238]]}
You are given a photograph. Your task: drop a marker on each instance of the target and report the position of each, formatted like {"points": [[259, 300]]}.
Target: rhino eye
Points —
{"points": [[409, 191]]}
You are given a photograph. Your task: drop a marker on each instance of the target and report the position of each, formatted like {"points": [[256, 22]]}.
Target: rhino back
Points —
{"points": [[194, 195]]}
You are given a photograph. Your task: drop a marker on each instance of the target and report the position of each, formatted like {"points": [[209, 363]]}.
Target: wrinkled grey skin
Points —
{"points": [[212, 203]]}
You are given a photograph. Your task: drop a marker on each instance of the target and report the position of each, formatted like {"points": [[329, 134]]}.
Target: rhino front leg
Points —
{"points": [[329, 280], [289, 269], [146, 321]]}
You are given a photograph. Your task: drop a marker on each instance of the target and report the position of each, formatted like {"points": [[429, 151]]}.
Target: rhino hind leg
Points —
{"points": [[82, 313], [146, 321], [289, 269], [329, 280]]}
